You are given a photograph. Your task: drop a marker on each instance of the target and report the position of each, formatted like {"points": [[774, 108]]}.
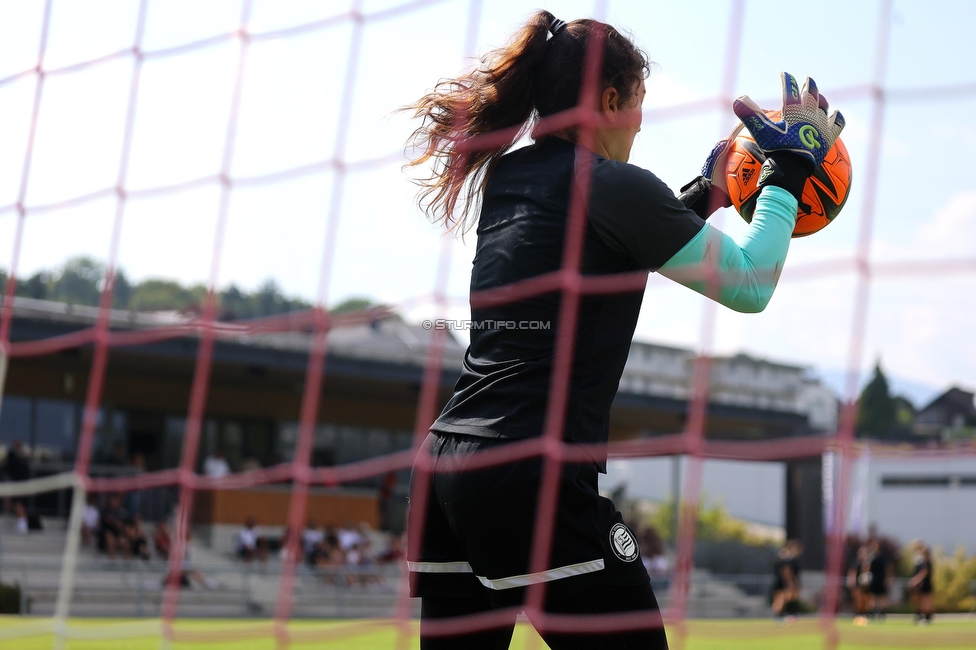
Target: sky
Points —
{"points": [[920, 326]]}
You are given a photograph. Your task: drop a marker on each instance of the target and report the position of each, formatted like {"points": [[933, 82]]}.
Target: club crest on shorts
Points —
{"points": [[623, 543]]}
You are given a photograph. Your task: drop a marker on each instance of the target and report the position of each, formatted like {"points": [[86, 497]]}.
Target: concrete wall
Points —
{"points": [[932, 499]]}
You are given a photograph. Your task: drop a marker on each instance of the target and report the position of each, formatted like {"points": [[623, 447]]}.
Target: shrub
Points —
{"points": [[952, 580], [10, 599], [715, 524]]}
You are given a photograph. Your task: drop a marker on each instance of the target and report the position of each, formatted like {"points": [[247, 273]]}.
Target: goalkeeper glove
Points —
{"points": [[804, 127], [797, 142], [703, 196]]}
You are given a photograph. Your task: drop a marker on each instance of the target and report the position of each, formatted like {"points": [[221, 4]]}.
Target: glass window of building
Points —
{"points": [[257, 444], [110, 436], [174, 430], [15, 420], [379, 442], [56, 429], [286, 441]]}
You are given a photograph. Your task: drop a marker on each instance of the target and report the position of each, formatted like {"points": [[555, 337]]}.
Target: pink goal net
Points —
{"points": [[336, 166]]}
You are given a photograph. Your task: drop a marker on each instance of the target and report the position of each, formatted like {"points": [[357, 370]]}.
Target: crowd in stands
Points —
{"points": [[349, 547], [118, 533], [112, 530], [250, 544]]}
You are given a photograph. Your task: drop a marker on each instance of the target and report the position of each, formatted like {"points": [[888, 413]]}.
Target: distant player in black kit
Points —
{"points": [[859, 582], [786, 580], [920, 584], [469, 545], [882, 571]]}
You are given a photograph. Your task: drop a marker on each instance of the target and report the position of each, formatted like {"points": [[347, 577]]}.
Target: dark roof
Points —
{"points": [[954, 401]]}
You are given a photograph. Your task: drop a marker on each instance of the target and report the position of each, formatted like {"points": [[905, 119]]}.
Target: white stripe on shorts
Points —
{"points": [[544, 576], [440, 567], [515, 581]]}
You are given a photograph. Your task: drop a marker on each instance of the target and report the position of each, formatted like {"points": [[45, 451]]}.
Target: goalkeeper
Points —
{"points": [[473, 552]]}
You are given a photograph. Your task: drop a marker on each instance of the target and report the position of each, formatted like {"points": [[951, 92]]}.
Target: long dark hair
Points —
{"points": [[532, 77]]}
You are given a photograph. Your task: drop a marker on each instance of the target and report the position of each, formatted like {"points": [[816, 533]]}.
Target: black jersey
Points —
{"points": [[879, 574], [794, 563], [925, 584], [786, 569], [634, 222], [779, 569]]}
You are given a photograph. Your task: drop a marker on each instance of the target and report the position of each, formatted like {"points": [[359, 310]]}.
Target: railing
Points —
{"points": [[134, 587]]}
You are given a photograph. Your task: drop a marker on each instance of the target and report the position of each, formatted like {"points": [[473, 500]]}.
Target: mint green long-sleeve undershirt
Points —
{"points": [[748, 269]]}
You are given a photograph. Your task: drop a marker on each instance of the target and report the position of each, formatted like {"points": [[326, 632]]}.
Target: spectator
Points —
{"points": [[89, 520], [16, 467], [216, 466], [393, 552], [137, 539], [361, 554], [353, 557], [348, 536], [330, 555], [361, 557], [17, 464], [354, 554], [249, 545], [312, 540], [161, 539], [20, 512], [111, 531]]}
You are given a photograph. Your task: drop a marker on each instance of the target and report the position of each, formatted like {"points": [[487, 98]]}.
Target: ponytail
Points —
{"points": [[534, 75]]}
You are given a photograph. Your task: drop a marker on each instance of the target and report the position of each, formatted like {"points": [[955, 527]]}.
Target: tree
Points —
{"points": [[235, 304], [352, 304], [269, 299], [81, 281], [78, 282], [876, 415], [905, 413], [164, 295], [122, 291], [36, 286]]}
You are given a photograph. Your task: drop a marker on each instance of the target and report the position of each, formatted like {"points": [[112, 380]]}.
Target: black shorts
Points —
{"points": [[479, 523]]}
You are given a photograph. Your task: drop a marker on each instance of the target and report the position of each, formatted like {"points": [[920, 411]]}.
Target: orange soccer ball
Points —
{"points": [[823, 196]]}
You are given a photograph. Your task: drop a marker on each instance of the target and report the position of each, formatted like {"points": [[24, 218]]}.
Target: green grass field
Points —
{"points": [[18, 633]]}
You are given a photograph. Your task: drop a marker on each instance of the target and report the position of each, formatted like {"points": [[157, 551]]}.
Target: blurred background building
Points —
{"points": [[373, 374]]}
